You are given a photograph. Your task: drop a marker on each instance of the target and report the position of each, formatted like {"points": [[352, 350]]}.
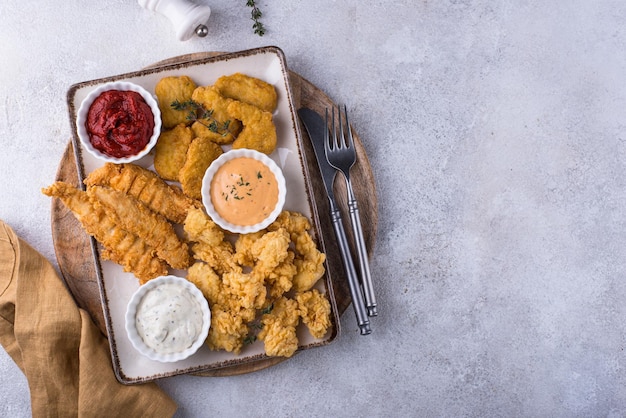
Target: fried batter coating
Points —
{"points": [[279, 328], [209, 283], [201, 153], [173, 89], [136, 218], [248, 89], [280, 280], [212, 100], [200, 228], [309, 260], [146, 186], [243, 247], [121, 246], [259, 131], [170, 151], [314, 309], [227, 331], [220, 257]]}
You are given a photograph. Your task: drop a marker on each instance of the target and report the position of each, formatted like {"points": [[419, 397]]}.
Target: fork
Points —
{"points": [[341, 154]]}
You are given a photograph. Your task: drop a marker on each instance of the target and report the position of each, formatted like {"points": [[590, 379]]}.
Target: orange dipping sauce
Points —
{"points": [[244, 191]]}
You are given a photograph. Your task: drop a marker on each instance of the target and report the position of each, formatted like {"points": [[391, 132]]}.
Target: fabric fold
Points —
{"points": [[57, 346]]}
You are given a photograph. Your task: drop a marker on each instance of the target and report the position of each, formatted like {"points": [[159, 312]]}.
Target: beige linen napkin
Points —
{"points": [[58, 347]]}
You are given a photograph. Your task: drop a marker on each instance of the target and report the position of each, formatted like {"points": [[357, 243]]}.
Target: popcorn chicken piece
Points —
{"points": [[170, 151], [279, 328], [259, 131], [249, 90], [201, 153], [314, 310], [174, 89], [227, 331]]}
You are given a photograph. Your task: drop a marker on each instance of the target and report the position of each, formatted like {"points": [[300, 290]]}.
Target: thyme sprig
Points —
{"points": [[256, 14], [197, 113], [256, 326]]}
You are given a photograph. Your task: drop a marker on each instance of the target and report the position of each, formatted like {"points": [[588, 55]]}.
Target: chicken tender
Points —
{"points": [[259, 131], [136, 218], [280, 280], [279, 328], [248, 89], [243, 247], [201, 153], [209, 283], [314, 310], [170, 152], [121, 246], [220, 128], [170, 90], [146, 186]]}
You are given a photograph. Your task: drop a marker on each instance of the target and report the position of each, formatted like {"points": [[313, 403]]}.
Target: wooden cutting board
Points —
{"points": [[73, 245]]}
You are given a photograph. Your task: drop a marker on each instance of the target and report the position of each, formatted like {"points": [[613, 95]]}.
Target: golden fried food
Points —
{"points": [[201, 153], [315, 312], [227, 331], [243, 247], [248, 89], [170, 90], [280, 280], [208, 281], [170, 151], [220, 128], [309, 260], [146, 186], [269, 251], [279, 328], [121, 246], [138, 219], [259, 131], [200, 228]]}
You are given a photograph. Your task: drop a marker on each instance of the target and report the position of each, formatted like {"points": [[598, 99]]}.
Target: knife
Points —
{"points": [[315, 125]]}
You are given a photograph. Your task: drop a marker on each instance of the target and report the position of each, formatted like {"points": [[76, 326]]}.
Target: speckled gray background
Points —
{"points": [[496, 133]]}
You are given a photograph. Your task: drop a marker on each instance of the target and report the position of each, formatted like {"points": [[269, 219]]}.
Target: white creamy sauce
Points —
{"points": [[169, 319]]}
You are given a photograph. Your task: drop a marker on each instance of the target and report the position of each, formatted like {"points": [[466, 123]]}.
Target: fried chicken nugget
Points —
{"points": [[279, 328], [280, 280], [209, 283], [315, 312], [200, 228], [170, 90], [227, 331], [170, 152], [248, 89], [138, 219], [259, 131], [146, 186], [243, 247], [214, 129], [309, 260], [201, 153], [121, 246]]}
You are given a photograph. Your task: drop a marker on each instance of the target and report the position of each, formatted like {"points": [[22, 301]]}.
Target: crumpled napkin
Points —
{"points": [[58, 347]]}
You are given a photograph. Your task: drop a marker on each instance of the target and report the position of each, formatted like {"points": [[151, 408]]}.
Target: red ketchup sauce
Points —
{"points": [[119, 123]]}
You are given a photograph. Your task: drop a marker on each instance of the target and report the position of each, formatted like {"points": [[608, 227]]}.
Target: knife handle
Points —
{"points": [[353, 281], [364, 267]]}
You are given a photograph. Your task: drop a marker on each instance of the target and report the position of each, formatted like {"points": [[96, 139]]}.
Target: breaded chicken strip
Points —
{"points": [[315, 312], [170, 151], [201, 153], [146, 186], [279, 328], [121, 246], [170, 90], [220, 128], [153, 228], [259, 131], [248, 89], [227, 331]]}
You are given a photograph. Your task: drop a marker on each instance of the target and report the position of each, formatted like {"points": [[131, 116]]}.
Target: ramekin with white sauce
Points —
{"points": [[168, 319]]}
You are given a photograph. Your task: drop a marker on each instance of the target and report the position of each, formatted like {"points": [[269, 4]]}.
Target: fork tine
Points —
{"points": [[349, 142]]}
